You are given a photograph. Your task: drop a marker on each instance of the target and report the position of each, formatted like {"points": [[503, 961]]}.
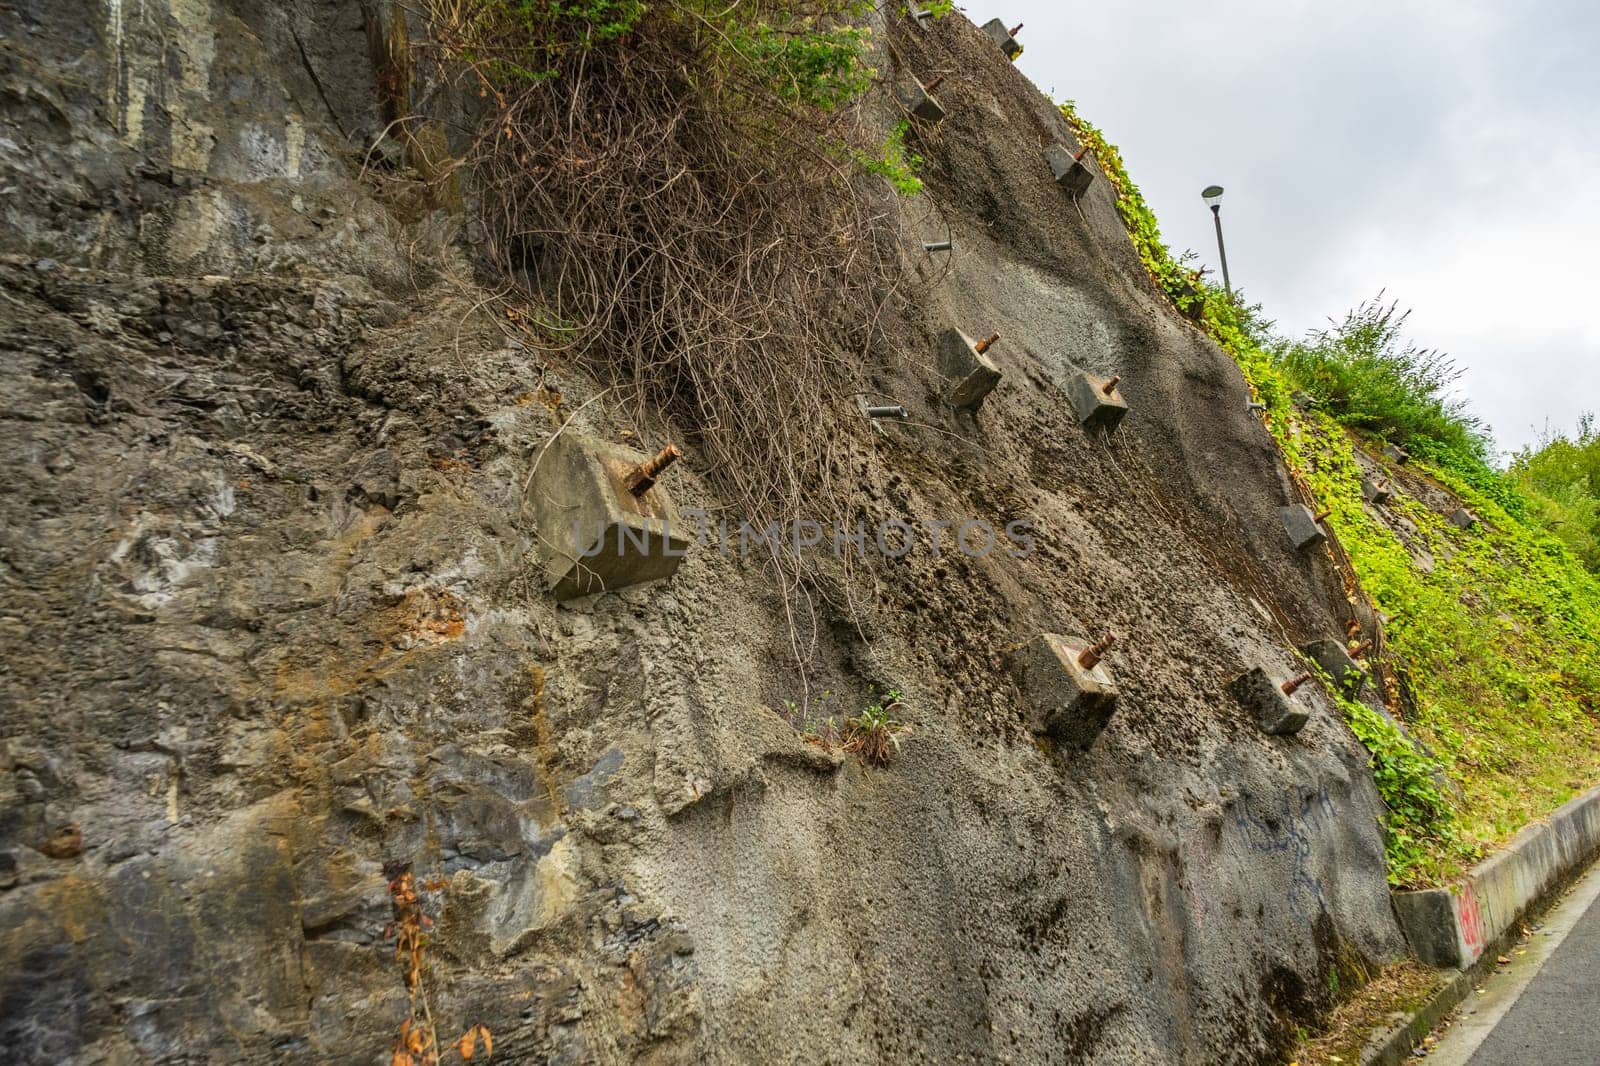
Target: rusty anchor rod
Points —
{"points": [[1089, 658], [1295, 682], [984, 345], [644, 475], [1109, 387]]}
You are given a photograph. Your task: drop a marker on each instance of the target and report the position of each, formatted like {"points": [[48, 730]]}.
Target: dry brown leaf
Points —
{"points": [[468, 1044]]}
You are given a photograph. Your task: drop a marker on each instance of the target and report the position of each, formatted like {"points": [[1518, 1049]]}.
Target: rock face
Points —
{"points": [[273, 618]]}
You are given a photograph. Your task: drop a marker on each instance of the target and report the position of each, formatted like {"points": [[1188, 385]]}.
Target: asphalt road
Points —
{"points": [[1555, 1021]]}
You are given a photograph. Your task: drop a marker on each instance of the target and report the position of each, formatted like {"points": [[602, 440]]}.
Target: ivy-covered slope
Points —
{"points": [[1489, 657]]}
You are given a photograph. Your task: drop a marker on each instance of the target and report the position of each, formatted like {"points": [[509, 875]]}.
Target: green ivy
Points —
{"points": [[1419, 815]]}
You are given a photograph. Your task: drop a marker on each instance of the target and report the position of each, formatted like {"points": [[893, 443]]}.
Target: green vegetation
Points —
{"points": [[895, 163], [1419, 810], [810, 54], [1490, 633], [874, 734], [1365, 373], [819, 66], [1561, 478], [522, 40]]}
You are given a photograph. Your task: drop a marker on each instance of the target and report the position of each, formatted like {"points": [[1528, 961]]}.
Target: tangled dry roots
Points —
{"points": [[693, 238]]}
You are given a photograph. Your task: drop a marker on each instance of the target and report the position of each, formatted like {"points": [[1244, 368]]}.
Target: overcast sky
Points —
{"points": [[1446, 152]]}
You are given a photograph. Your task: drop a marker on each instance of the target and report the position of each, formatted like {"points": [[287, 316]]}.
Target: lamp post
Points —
{"points": [[1212, 195]]}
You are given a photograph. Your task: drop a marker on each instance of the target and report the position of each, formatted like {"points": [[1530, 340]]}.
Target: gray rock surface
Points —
{"points": [[273, 617]]}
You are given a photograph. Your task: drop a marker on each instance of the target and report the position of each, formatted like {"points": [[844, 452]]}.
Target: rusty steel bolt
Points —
{"points": [[937, 246], [887, 411], [1089, 658], [983, 345], [1111, 385], [1078, 158], [644, 475], [1295, 682], [1321, 516], [934, 83], [1361, 649], [1013, 31]]}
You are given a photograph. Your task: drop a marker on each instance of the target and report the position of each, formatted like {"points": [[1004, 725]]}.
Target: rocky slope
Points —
{"points": [[273, 618]]}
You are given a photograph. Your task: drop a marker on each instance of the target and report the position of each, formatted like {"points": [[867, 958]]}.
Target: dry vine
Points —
{"points": [[417, 1043], [690, 234]]}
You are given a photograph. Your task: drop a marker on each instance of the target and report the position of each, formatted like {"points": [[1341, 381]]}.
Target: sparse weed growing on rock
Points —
{"points": [[811, 723], [874, 734]]}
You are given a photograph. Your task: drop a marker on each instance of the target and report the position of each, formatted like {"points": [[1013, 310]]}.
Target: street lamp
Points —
{"points": [[1212, 195]]}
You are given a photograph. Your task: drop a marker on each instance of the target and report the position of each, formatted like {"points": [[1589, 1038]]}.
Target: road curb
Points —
{"points": [[1455, 926], [1527, 876]]}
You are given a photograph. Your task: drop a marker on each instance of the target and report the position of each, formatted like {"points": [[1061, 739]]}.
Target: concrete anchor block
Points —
{"points": [[971, 373], [1336, 662], [1395, 454], [596, 534], [1304, 530], [1375, 491], [1462, 518], [1066, 700], [1428, 920], [1267, 703], [1003, 37], [1097, 401], [1070, 171], [918, 99]]}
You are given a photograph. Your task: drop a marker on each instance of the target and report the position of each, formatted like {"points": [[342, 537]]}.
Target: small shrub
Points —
{"points": [[1369, 377]]}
